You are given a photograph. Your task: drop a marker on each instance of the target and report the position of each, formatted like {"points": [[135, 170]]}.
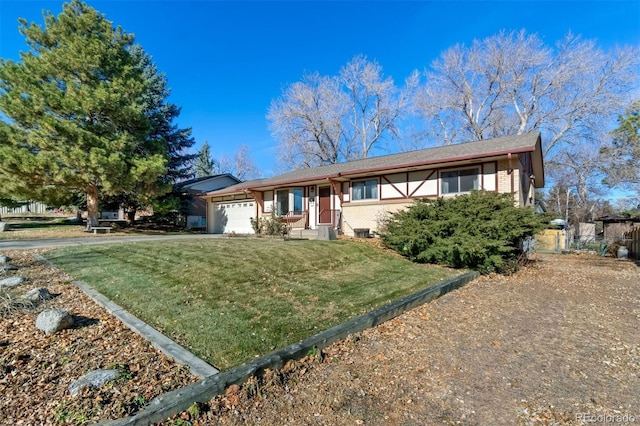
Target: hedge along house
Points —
{"points": [[357, 194]]}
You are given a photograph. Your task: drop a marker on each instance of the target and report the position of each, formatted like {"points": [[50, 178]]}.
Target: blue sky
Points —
{"points": [[225, 61]]}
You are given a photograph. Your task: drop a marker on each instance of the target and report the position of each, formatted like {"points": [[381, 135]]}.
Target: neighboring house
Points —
{"points": [[357, 194], [197, 207]]}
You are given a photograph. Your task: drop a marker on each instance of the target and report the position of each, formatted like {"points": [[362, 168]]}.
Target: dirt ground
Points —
{"points": [[557, 343]]}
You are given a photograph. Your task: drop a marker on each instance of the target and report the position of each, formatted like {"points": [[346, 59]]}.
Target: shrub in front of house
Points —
{"points": [[480, 231], [270, 225]]}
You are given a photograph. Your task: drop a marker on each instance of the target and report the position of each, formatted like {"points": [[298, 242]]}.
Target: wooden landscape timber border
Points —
{"points": [[180, 400], [171, 349]]}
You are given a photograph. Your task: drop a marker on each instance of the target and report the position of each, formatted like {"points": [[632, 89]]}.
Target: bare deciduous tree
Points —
{"points": [[326, 120], [240, 166], [307, 121], [512, 83], [375, 103], [622, 155]]}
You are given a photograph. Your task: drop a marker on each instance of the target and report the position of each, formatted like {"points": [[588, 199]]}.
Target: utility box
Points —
{"points": [[326, 232]]}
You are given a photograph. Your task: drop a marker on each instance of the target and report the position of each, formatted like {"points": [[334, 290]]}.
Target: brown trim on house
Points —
{"points": [[259, 197], [421, 183], [337, 189], [400, 167], [394, 187], [393, 199], [439, 161], [406, 179]]}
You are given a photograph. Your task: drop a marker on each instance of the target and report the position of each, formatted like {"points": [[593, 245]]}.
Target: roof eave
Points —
{"points": [[535, 149]]}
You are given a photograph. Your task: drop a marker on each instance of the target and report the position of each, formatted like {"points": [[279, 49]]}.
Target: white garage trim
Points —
{"points": [[233, 217]]}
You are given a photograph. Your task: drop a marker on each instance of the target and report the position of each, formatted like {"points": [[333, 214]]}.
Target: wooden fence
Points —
{"points": [[632, 239], [28, 207]]}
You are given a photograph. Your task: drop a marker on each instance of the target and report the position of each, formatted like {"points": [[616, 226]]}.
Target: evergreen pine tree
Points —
{"points": [[75, 112], [204, 165]]}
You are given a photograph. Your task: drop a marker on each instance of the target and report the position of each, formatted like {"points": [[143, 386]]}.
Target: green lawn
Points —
{"points": [[229, 300]]}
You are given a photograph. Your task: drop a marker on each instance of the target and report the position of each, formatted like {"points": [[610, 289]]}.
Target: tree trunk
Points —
{"points": [[131, 216], [92, 205]]}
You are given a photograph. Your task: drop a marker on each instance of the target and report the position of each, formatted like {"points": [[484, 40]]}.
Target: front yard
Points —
{"points": [[555, 343], [230, 300]]}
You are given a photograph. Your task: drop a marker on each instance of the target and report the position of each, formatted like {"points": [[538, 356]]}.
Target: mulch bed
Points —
{"points": [[36, 370]]}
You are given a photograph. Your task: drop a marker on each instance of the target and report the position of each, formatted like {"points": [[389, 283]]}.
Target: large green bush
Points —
{"points": [[481, 231]]}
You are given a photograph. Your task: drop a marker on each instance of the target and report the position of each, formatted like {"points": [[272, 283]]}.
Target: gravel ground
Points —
{"points": [[556, 343]]}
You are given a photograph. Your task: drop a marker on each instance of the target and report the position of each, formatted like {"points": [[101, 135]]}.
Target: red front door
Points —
{"points": [[324, 204]]}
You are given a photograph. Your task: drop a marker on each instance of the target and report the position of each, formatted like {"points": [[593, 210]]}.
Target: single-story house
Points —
{"points": [[196, 208], [356, 194]]}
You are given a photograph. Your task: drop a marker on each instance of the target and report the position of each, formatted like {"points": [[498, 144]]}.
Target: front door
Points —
{"points": [[324, 204]]}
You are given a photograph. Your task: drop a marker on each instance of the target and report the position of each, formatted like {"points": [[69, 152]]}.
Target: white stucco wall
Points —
{"points": [[367, 214]]}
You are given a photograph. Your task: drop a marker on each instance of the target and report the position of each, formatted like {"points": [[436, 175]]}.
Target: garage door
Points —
{"points": [[234, 217]]}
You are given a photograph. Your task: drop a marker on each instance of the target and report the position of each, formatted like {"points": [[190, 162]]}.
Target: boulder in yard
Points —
{"points": [[12, 281], [38, 294], [4, 259], [53, 320], [93, 379]]}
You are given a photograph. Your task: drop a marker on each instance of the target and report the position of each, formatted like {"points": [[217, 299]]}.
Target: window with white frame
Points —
{"points": [[289, 200], [459, 181], [365, 189]]}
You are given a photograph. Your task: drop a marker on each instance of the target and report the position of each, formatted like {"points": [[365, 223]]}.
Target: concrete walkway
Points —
{"points": [[80, 241]]}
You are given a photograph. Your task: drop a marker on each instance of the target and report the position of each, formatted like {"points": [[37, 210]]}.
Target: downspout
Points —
{"points": [[532, 193]]}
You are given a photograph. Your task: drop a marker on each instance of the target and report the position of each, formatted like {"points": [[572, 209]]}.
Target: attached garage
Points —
{"points": [[233, 217]]}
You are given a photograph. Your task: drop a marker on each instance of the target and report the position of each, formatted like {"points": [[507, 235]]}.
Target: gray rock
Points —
{"points": [[37, 294], [54, 320], [93, 379], [6, 268], [4, 259], [12, 281]]}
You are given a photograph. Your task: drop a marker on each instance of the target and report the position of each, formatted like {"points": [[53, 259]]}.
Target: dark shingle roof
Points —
{"points": [[459, 152], [189, 182]]}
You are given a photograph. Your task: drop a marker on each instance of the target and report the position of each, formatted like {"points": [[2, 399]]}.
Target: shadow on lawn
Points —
{"points": [[40, 223]]}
